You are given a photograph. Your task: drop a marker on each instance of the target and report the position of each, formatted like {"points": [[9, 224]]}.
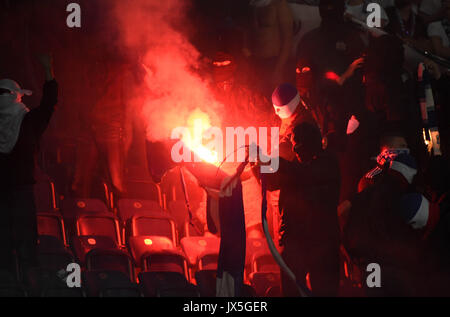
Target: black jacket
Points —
{"points": [[375, 230], [309, 196], [17, 167]]}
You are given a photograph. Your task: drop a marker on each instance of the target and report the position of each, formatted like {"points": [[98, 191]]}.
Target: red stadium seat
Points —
{"points": [[144, 190], [206, 282], [173, 191], [50, 244], [79, 205], [166, 284], [50, 283], [196, 247], [266, 284], [154, 224], [208, 261], [99, 224], [170, 261], [109, 284], [255, 246], [141, 245], [264, 262], [52, 254], [72, 208], [110, 260], [51, 224], [45, 196], [265, 274], [82, 245], [127, 208], [178, 210]]}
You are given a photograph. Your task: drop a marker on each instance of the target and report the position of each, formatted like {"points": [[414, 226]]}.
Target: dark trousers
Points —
{"points": [[18, 228], [319, 263]]}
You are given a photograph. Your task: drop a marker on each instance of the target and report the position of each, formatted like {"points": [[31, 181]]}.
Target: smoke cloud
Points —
{"points": [[171, 89]]}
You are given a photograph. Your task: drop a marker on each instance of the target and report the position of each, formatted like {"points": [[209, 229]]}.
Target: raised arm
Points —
{"points": [[47, 64], [41, 115]]}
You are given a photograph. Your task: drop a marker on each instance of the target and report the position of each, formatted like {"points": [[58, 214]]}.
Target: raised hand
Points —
{"points": [[46, 61]]}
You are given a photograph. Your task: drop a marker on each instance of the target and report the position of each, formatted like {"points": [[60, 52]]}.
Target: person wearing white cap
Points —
{"points": [[20, 131], [12, 112]]}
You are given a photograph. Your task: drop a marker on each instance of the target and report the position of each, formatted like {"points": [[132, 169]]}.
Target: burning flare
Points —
{"points": [[198, 123]]}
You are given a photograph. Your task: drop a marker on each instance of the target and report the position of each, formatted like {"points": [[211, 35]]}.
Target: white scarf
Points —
{"points": [[260, 3], [12, 112]]}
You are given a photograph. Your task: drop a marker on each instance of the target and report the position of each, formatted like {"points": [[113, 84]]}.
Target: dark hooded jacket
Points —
{"points": [[17, 167]]}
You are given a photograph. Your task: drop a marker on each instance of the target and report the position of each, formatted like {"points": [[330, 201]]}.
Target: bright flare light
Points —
{"points": [[198, 123]]}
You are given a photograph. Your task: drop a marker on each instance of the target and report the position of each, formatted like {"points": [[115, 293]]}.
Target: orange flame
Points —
{"points": [[198, 123]]}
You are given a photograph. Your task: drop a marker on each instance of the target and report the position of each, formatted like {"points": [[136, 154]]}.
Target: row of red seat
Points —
{"points": [[135, 236]]}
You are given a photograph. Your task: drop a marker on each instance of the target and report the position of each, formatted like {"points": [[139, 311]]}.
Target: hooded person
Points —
{"points": [[292, 110], [309, 231], [383, 218], [395, 158], [12, 112], [245, 107], [20, 132], [332, 55]]}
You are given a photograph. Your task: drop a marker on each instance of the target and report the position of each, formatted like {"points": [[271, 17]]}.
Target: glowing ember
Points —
{"points": [[198, 123]]}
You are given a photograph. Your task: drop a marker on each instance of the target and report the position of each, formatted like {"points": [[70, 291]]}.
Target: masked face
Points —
{"points": [[389, 155], [286, 111], [223, 70], [10, 91], [303, 80], [12, 112], [332, 13], [8, 96]]}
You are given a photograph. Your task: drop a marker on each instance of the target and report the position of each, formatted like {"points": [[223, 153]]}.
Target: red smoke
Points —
{"points": [[171, 90]]}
